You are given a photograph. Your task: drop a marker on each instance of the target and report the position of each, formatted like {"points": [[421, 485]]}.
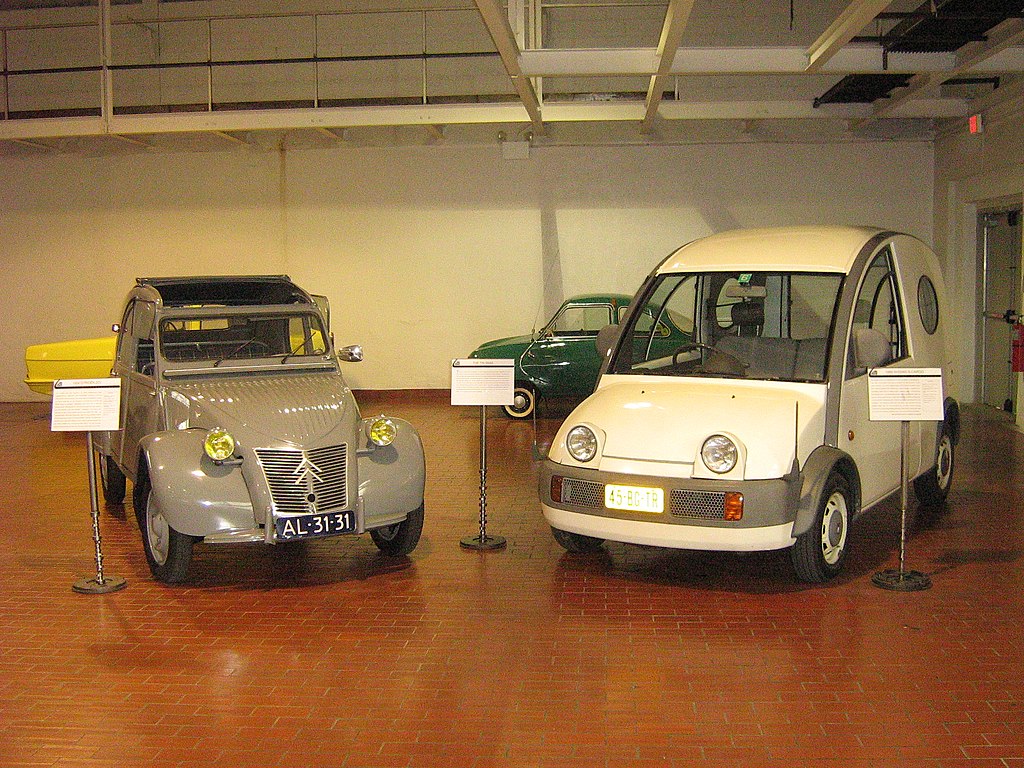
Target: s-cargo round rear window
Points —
{"points": [[927, 304]]}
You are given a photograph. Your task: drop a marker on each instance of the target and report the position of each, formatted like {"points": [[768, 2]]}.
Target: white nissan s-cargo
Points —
{"points": [[754, 433]]}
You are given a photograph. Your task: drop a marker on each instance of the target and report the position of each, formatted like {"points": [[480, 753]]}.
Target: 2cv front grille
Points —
{"points": [[302, 482]]}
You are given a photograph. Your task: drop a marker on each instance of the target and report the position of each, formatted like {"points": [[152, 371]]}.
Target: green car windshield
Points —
{"points": [[755, 325], [218, 338]]}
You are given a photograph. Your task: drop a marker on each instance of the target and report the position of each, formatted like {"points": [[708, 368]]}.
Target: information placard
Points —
{"points": [[905, 394], [86, 405], [483, 382]]}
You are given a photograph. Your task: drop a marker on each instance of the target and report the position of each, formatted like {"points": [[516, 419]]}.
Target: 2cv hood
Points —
{"points": [[663, 423], [270, 410]]}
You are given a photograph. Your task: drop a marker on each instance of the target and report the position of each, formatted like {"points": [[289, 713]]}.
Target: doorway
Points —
{"points": [[999, 243]]}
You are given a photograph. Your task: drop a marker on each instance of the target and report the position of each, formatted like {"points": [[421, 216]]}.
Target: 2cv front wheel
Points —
{"points": [[168, 552], [112, 480], [401, 538]]}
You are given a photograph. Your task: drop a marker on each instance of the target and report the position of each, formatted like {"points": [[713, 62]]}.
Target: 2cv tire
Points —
{"points": [[112, 481], [168, 552], [400, 538]]}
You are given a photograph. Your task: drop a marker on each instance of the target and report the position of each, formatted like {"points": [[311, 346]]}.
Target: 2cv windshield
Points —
{"points": [[753, 325], [216, 338]]}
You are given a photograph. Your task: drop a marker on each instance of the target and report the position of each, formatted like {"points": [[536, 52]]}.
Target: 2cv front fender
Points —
{"points": [[196, 496], [391, 478]]}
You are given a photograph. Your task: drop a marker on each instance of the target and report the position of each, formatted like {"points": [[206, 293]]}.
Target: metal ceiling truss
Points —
{"points": [[972, 31], [920, 51]]}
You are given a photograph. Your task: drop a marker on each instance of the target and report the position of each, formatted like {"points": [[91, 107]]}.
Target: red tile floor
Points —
{"points": [[327, 654]]}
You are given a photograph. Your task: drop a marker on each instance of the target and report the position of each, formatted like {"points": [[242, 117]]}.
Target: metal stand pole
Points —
{"points": [[101, 584], [483, 541], [903, 580]]}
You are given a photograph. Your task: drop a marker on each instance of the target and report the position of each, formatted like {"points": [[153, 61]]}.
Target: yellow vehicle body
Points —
{"points": [[75, 359]]}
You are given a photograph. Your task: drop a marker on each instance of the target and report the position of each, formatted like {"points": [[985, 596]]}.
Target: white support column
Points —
{"points": [[106, 79], [517, 20]]}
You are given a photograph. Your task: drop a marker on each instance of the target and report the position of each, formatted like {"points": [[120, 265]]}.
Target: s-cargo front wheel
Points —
{"points": [[819, 553], [576, 543]]}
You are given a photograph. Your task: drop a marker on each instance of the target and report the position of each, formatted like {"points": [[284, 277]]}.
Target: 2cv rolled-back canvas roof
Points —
{"points": [[227, 291]]}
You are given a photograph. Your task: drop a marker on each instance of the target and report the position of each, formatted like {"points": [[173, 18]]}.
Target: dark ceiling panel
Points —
{"points": [[931, 28]]}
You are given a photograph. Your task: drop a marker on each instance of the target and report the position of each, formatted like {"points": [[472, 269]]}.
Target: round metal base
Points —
{"points": [[488, 542], [907, 581], [96, 587]]}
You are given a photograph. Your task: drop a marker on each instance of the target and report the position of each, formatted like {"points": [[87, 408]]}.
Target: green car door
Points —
{"points": [[563, 361]]}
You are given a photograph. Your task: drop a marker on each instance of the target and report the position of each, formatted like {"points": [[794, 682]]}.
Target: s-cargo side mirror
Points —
{"points": [[871, 348], [605, 340]]}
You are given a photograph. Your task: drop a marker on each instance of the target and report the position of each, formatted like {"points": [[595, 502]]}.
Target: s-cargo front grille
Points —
{"points": [[699, 505], [693, 505], [304, 482], [583, 493]]}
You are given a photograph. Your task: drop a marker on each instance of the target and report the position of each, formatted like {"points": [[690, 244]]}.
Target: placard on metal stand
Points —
{"points": [[85, 405], [483, 382], [904, 395]]}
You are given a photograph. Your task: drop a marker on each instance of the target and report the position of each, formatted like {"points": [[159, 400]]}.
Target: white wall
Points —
{"points": [[973, 172], [424, 251]]}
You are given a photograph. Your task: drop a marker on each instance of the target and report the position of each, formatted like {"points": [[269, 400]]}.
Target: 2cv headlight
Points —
{"points": [[381, 431], [719, 454], [219, 444]]}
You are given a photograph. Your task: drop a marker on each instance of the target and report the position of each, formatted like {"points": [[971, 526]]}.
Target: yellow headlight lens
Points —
{"points": [[219, 445], [382, 431]]}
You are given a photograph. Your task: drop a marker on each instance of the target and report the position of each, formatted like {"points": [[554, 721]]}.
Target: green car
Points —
{"points": [[562, 360]]}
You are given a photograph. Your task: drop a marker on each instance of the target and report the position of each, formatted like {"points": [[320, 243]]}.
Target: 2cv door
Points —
{"points": [[135, 363]]}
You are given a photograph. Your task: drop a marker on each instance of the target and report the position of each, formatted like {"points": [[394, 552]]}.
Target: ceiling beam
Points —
{"points": [[968, 58], [740, 60], [504, 40], [857, 15], [131, 140], [334, 121], [676, 17], [33, 144]]}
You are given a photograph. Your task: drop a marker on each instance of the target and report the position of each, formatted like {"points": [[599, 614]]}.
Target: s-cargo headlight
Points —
{"points": [[719, 454], [581, 442], [381, 431], [219, 444]]}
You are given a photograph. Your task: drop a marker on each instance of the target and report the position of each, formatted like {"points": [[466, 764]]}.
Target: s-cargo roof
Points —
{"points": [[799, 249]]}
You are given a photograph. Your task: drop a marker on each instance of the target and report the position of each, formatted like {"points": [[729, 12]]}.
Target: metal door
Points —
{"points": [[1000, 243]]}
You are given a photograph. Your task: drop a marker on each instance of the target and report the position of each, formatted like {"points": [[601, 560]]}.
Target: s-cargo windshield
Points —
{"points": [[753, 325]]}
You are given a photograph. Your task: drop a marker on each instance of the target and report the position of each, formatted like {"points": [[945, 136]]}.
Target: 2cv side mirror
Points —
{"points": [[351, 354]]}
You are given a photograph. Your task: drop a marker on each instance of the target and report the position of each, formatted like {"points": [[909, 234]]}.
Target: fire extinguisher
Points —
{"points": [[1017, 349]]}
